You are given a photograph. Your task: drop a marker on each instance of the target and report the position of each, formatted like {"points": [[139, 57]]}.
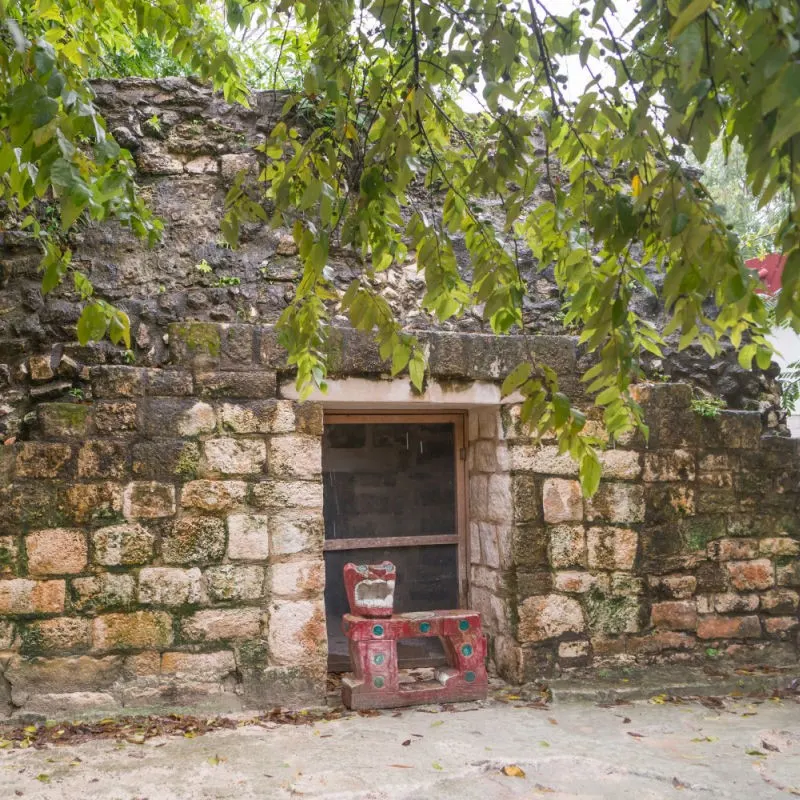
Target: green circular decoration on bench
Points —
{"points": [[378, 682], [377, 630], [466, 649], [424, 627], [463, 625], [378, 659], [469, 677]]}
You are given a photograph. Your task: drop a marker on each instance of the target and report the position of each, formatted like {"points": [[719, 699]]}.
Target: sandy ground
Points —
{"points": [[641, 750]]}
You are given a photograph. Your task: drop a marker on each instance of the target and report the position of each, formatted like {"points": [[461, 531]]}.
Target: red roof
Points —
{"points": [[770, 270]]}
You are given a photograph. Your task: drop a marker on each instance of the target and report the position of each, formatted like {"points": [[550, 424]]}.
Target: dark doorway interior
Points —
{"points": [[392, 492]]}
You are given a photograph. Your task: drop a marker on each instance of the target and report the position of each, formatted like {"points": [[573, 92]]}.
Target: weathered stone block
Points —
{"points": [[542, 460], [166, 458], [621, 464], [547, 617], [9, 552], [231, 164], [43, 460], [41, 367], [194, 539], [295, 531], [148, 500], [579, 582], [248, 537], [58, 634], [287, 494], [118, 545], [530, 584], [567, 546], [612, 615], [202, 165], [669, 465], [22, 596], [103, 458], [530, 543], [222, 624], [756, 574], [195, 344], [180, 417], [297, 634], [778, 626], [168, 586], [199, 666], [733, 549], [297, 578], [6, 634], [234, 582], [572, 651], [499, 499], [562, 500], [611, 548], [788, 574], [676, 615], [780, 601], [151, 159], [135, 631], [32, 676], [255, 417], [102, 592], [295, 456], [114, 417], [262, 383], [714, 627], [235, 456], [617, 502], [169, 383], [677, 587], [213, 495], [308, 419], [526, 498], [731, 602], [94, 502], [58, 551], [118, 381], [64, 420], [779, 546]]}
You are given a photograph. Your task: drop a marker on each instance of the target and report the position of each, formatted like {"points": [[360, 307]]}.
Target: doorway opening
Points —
{"points": [[394, 489]]}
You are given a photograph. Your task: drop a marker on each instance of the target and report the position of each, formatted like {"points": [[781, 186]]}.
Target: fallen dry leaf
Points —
{"points": [[513, 771]]}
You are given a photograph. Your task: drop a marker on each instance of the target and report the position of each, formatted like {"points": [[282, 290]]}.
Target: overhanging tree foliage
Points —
{"points": [[596, 186]]}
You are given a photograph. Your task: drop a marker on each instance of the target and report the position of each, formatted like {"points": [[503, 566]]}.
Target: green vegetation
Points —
{"points": [[707, 406]]}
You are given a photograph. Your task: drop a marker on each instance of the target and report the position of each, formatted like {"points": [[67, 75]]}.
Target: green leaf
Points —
{"points": [[516, 378], [589, 473], [688, 15]]}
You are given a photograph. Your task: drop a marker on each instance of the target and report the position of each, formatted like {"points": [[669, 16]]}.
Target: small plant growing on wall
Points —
{"points": [[709, 407]]}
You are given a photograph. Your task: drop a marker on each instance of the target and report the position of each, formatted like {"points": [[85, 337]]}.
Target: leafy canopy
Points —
{"points": [[596, 185]]}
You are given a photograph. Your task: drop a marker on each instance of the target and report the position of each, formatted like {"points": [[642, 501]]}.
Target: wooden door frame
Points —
{"points": [[460, 538]]}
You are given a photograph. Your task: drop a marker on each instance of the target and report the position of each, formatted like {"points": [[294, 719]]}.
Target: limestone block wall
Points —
{"points": [[490, 522], [688, 551], [162, 544], [161, 532]]}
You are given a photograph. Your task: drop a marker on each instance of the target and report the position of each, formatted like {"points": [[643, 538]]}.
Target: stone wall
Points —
{"points": [[688, 551], [161, 509], [162, 544]]}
